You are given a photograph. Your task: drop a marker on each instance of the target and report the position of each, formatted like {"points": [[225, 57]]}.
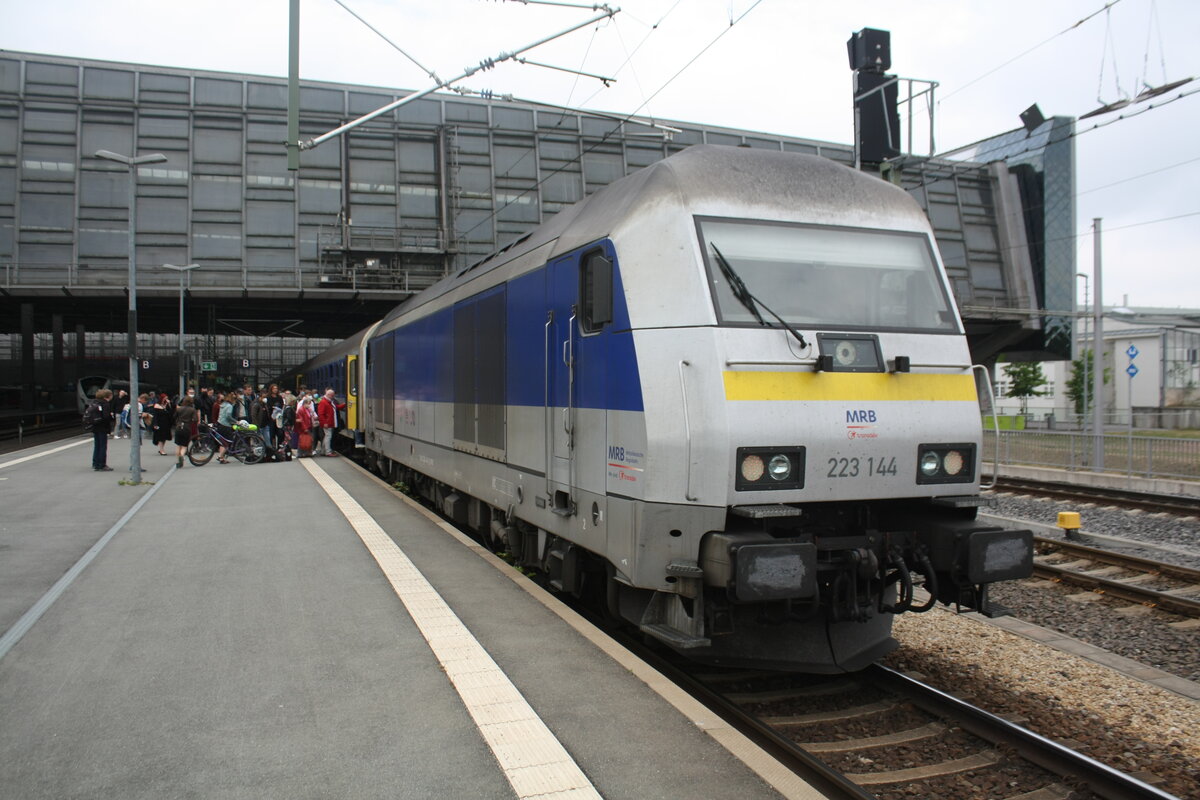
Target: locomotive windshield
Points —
{"points": [[817, 277]]}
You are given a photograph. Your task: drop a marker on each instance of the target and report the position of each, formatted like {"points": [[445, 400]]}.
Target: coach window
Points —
{"points": [[596, 291]]}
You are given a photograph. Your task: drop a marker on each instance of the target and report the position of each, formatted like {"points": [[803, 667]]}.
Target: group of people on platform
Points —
{"points": [[302, 423]]}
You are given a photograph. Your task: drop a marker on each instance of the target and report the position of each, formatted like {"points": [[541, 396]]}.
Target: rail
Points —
{"points": [[17, 426], [1143, 456], [1176, 602], [825, 779], [1102, 779], [1126, 499]]}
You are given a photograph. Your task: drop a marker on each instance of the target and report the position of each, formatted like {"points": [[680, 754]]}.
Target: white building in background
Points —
{"points": [[1163, 393]]}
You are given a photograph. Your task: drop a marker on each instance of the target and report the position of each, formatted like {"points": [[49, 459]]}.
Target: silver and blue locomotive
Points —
{"points": [[729, 393]]}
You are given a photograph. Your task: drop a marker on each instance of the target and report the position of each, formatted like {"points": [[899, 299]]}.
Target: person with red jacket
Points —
{"points": [[305, 419], [327, 415]]}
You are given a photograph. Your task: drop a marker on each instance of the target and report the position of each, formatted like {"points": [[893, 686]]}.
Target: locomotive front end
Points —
{"points": [[835, 415]]}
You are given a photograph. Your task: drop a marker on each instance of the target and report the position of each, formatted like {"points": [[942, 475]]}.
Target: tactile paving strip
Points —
{"points": [[533, 760]]}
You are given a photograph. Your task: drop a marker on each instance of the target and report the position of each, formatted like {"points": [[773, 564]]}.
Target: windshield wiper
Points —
{"points": [[738, 286]]}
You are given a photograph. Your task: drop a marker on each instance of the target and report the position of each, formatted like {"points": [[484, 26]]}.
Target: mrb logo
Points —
{"points": [[616, 453], [861, 415]]}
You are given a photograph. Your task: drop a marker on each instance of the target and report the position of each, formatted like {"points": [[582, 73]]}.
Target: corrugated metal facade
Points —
{"points": [[386, 209]]}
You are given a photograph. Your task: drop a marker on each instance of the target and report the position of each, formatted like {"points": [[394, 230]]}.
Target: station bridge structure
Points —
{"points": [[387, 209]]}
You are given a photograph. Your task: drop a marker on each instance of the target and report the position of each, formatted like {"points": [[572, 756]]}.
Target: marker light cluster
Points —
{"points": [[767, 468], [945, 463]]}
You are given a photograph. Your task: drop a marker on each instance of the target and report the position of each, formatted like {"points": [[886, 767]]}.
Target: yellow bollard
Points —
{"points": [[1069, 522]]}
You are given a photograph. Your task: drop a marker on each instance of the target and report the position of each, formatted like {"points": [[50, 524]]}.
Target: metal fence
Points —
{"points": [[1144, 456]]}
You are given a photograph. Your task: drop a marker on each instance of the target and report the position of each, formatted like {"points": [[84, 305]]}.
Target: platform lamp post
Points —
{"points": [[182, 352], [1084, 354], [135, 422]]}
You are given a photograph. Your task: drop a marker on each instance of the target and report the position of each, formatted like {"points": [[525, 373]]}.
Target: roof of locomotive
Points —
{"points": [[708, 179]]}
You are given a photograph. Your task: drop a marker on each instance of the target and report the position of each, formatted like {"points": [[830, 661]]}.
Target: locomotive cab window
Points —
{"points": [[595, 291], [825, 277]]}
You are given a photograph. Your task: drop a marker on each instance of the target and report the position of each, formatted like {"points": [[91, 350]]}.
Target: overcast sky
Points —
{"points": [[782, 68]]}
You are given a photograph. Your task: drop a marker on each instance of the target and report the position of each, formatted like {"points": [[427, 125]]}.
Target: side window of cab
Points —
{"points": [[595, 291]]}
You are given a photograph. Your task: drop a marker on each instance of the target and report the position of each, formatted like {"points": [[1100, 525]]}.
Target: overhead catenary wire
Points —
{"points": [[1153, 24], [629, 55], [979, 157], [567, 107], [1024, 53], [605, 137], [1109, 45], [397, 47], [486, 64], [941, 176], [1038, 207], [1107, 230], [1139, 175], [629, 61], [587, 50]]}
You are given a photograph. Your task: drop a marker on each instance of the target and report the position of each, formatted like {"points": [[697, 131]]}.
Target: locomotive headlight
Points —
{"points": [[752, 468], [945, 463], [780, 467], [768, 468], [845, 352]]}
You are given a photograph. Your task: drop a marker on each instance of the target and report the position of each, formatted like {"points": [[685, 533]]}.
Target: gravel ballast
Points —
{"points": [[1116, 719], [1180, 534], [1148, 637]]}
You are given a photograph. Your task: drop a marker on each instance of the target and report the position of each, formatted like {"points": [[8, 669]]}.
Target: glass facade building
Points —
{"points": [[379, 213]]}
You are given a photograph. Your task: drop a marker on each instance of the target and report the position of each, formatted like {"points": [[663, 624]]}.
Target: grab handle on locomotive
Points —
{"points": [[548, 420], [687, 433], [987, 381], [569, 360]]}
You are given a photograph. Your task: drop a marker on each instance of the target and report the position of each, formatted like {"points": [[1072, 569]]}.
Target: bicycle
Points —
{"points": [[247, 446]]}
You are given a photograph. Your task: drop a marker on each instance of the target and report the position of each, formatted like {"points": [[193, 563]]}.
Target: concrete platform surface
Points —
{"points": [[236, 639]]}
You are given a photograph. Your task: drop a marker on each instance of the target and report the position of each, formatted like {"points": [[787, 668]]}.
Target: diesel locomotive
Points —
{"points": [[730, 394]]}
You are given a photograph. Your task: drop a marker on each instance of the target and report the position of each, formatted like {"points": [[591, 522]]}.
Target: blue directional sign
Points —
{"points": [[1132, 352], [1131, 370]]}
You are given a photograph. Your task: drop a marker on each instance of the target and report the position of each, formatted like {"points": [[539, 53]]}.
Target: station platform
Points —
{"points": [[303, 630]]}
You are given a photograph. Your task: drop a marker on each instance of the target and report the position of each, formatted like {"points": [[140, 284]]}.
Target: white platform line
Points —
{"points": [[16, 461], [30, 617], [766, 766], [534, 761]]}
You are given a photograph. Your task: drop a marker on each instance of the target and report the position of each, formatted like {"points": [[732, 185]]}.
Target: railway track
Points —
{"points": [[1121, 576], [51, 430], [881, 734], [1153, 503]]}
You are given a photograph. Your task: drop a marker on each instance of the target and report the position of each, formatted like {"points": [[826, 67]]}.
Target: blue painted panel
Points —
{"points": [[607, 371], [526, 339], [422, 359]]}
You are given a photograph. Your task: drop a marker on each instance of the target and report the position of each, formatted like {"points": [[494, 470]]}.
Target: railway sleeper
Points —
{"points": [[926, 731]]}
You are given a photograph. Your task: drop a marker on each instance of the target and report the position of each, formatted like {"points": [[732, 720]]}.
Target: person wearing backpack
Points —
{"points": [[98, 419]]}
